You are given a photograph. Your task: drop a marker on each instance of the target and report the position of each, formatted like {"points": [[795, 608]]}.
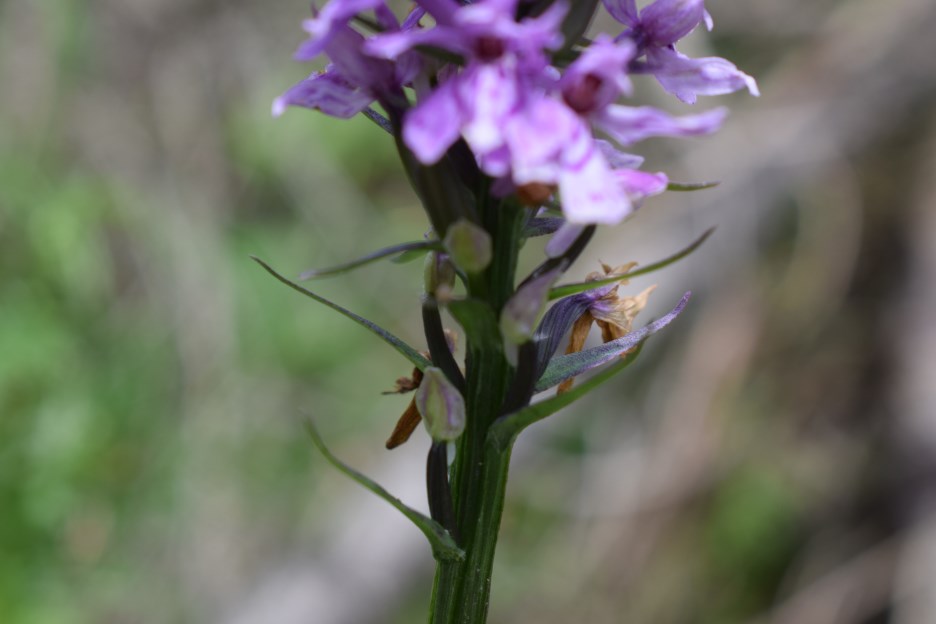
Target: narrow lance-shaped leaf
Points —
{"points": [[368, 23], [378, 119], [415, 246], [571, 289], [439, 489], [577, 20], [404, 349], [690, 186], [507, 428], [443, 546], [439, 348], [563, 261], [541, 226], [573, 364], [409, 256]]}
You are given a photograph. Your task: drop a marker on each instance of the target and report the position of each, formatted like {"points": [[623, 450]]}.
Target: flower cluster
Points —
{"points": [[510, 124], [525, 94]]}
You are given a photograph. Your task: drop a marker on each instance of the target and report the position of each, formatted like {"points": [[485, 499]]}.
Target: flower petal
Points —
{"points": [[328, 92], [688, 78], [628, 124], [522, 311], [431, 128], [616, 158], [624, 11], [667, 21], [638, 185], [488, 93], [589, 192], [323, 26], [564, 237]]}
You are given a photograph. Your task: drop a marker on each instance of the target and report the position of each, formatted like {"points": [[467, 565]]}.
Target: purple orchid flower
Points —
{"points": [[353, 80], [590, 86], [503, 59], [656, 29], [528, 125], [333, 17], [552, 142]]}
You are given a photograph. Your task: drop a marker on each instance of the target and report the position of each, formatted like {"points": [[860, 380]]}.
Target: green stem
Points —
{"points": [[475, 591], [443, 606], [462, 589]]}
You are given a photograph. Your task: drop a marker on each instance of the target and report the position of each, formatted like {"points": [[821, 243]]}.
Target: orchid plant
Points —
{"points": [[495, 107]]}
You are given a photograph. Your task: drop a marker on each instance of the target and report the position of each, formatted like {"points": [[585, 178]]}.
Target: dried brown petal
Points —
{"points": [[405, 426], [577, 340], [534, 194], [406, 384]]}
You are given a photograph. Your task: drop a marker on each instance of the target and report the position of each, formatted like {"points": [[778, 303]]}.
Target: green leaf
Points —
{"points": [[479, 322], [690, 186], [576, 21], [404, 349], [368, 23], [507, 428], [572, 289], [415, 246], [541, 226], [443, 546], [409, 256], [382, 122]]}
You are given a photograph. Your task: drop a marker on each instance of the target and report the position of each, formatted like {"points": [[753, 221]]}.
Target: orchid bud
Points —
{"points": [[438, 273], [522, 312], [469, 246], [441, 405]]}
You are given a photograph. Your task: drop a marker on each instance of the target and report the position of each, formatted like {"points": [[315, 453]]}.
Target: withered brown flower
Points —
{"points": [[613, 313]]}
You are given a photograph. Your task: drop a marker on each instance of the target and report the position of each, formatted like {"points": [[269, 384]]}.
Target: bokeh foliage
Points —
{"points": [[152, 467]]}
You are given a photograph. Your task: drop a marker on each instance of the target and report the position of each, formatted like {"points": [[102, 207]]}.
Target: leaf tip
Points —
{"points": [[691, 186], [682, 302]]}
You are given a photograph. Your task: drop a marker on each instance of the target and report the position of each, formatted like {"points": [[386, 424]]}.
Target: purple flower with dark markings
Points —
{"points": [[552, 141], [529, 125], [589, 89], [503, 60], [353, 80], [655, 30]]}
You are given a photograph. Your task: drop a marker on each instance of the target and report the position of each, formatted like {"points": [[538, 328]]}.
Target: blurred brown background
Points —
{"points": [[771, 458]]}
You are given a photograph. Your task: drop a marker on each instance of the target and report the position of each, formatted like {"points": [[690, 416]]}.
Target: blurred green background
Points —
{"points": [[772, 458]]}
